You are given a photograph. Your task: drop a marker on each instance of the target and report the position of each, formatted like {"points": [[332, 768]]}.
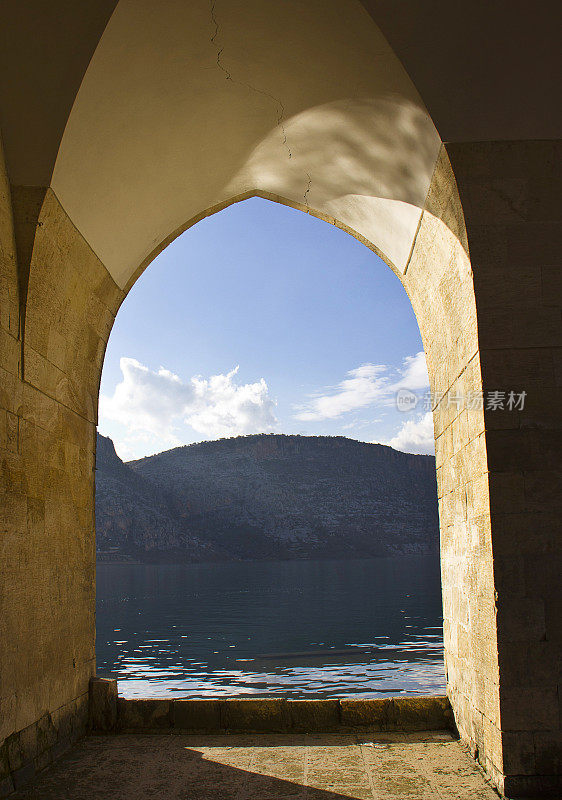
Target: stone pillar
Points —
{"points": [[439, 282], [12, 484], [103, 704], [511, 196], [48, 407]]}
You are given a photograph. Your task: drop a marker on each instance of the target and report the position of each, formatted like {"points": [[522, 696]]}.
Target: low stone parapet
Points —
{"points": [[111, 713]]}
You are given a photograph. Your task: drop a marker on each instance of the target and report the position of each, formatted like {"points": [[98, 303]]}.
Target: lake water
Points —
{"points": [[368, 628]]}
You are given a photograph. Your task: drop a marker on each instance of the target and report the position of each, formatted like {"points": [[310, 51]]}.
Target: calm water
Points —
{"points": [[298, 628]]}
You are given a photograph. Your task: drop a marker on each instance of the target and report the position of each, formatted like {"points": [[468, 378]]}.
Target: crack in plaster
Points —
{"points": [[308, 188], [280, 108]]}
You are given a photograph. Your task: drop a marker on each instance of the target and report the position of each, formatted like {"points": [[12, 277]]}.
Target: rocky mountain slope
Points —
{"points": [[266, 497], [136, 517]]}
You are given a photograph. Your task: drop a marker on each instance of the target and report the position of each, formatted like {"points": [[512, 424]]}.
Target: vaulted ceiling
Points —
{"points": [[485, 70], [143, 114]]}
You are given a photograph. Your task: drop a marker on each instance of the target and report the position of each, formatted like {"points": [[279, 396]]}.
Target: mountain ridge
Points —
{"points": [[267, 496]]}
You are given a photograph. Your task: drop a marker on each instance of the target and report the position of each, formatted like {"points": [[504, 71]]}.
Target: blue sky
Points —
{"points": [[262, 318]]}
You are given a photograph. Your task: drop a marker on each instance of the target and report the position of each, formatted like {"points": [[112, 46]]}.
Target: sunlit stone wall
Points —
{"points": [[512, 200], [440, 283]]}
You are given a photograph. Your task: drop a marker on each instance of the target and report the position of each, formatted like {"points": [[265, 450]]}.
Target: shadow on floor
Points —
{"points": [[261, 767]]}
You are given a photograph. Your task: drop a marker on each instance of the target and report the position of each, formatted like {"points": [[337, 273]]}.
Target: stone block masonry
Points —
{"points": [[27, 752], [110, 713]]}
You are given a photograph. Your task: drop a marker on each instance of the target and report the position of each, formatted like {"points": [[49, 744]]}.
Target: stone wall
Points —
{"points": [[498, 471], [26, 752], [12, 480], [512, 199], [49, 401], [439, 281], [110, 713], [490, 322]]}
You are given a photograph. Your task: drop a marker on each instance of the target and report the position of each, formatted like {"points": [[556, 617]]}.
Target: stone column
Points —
{"points": [[511, 197], [439, 282], [48, 409]]}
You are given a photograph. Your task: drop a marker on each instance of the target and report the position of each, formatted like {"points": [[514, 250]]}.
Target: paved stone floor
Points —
{"points": [[428, 766]]}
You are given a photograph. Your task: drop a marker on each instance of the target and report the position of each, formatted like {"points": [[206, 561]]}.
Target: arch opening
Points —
{"points": [[310, 554], [438, 280]]}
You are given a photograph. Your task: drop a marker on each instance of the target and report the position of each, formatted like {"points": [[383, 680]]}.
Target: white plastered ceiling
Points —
{"points": [[186, 105]]}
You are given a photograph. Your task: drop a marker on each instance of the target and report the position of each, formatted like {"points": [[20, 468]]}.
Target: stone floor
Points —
{"points": [[428, 766]]}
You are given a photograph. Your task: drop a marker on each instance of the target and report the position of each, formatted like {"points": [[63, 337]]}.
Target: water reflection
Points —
{"points": [[294, 629]]}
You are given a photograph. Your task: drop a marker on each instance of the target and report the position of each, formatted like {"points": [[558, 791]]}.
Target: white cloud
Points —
{"points": [[156, 404], [361, 388], [415, 436], [414, 372], [367, 385]]}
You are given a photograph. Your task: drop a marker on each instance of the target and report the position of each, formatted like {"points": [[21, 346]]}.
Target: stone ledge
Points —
{"points": [[111, 713]]}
